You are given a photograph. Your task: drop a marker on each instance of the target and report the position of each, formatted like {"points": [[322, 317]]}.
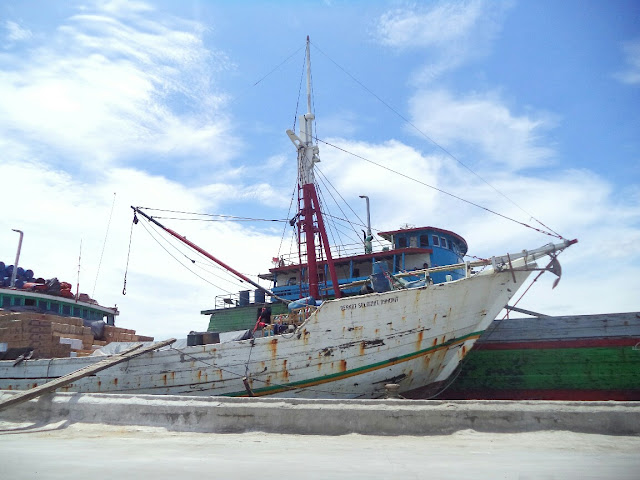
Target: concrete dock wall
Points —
{"points": [[327, 417]]}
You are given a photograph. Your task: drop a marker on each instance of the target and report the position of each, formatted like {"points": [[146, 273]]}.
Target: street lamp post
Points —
{"points": [[368, 247], [15, 264]]}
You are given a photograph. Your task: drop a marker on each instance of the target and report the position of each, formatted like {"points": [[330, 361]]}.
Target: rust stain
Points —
{"points": [[464, 350], [435, 341], [115, 382], [164, 378], [220, 374], [10, 387], [285, 372], [377, 332], [273, 347], [343, 365], [173, 375], [419, 341], [199, 375], [362, 344]]}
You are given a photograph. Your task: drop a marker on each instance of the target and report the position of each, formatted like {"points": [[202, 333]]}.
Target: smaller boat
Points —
{"points": [[30, 294]]}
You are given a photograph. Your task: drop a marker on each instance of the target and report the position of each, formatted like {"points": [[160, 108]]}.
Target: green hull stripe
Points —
{"points": [[600, 368], [356, 371]]}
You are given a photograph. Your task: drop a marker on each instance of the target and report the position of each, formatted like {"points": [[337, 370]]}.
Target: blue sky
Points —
{"points": [[184, 106]]}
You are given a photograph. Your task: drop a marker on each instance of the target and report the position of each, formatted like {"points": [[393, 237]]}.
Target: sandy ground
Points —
{"points": [[107, 452]]}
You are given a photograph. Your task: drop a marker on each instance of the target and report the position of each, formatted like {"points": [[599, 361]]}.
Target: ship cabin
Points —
{"points": [[402, 250]]}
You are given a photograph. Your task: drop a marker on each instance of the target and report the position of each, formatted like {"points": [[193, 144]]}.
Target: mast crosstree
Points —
{"points": [[310, 224]]}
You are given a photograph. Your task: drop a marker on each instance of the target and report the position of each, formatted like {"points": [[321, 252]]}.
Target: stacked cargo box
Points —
{"points": [[53, 336]]}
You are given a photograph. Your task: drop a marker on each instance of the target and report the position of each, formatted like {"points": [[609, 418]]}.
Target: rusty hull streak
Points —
{"points": [[273, 347], [285, 372]]}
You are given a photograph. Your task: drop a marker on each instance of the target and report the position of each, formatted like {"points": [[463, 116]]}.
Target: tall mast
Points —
{"points": [[310, 221]]}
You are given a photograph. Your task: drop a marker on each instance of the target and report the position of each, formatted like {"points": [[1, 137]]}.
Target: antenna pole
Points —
{"points": [[78, 284]]}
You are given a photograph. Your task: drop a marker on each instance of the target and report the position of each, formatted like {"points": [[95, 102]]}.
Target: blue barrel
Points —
{"points": [[19, 283], [28, 275], [379, 280], [258, 296], [244, 298], [2, 265]]}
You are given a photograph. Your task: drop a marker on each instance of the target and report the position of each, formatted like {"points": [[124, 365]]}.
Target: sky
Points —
{"points": [[527, 108]]}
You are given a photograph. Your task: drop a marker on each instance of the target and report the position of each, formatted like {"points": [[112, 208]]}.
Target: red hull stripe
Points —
{"points": [[533, 394], [575, 343]]}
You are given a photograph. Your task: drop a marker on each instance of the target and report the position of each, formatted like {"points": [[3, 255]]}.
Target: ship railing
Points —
{"points": [[239, 299], [337, 252], [295, 317]]}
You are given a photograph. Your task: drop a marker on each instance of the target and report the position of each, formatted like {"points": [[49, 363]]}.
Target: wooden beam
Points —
{"points": [[132, 352]]}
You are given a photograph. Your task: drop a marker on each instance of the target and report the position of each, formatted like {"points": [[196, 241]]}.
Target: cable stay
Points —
{"points": [[137, 210], [548, 230]]}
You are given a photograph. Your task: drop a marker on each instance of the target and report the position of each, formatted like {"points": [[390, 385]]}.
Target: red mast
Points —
{"points": [[310, 222]]}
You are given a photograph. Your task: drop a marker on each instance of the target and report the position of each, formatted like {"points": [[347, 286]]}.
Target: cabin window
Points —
{"points": [[29, 302], [402, 242], [443, 242], [424, 240], [292, 281], [436, 240], [413, 241], [42, 304], [356, 272], [6, 301], [66, 309], [54, 307]]}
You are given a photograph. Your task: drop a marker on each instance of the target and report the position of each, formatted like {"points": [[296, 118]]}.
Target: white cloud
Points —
{"points": [[103, 89], [484, 122], [631, 74], [448, 34], [15, 33]]}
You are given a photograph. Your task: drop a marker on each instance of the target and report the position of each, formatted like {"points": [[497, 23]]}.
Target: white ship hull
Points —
{"points": [[348, 348]]}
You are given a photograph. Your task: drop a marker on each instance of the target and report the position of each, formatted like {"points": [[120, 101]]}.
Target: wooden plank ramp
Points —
{"points": [[132, 352]]}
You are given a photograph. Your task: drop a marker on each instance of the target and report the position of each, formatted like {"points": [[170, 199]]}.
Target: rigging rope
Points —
{"points": [[447, 152], [183, 265], [551, 233], [223, 217], [104, 244], [126, 269]]}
